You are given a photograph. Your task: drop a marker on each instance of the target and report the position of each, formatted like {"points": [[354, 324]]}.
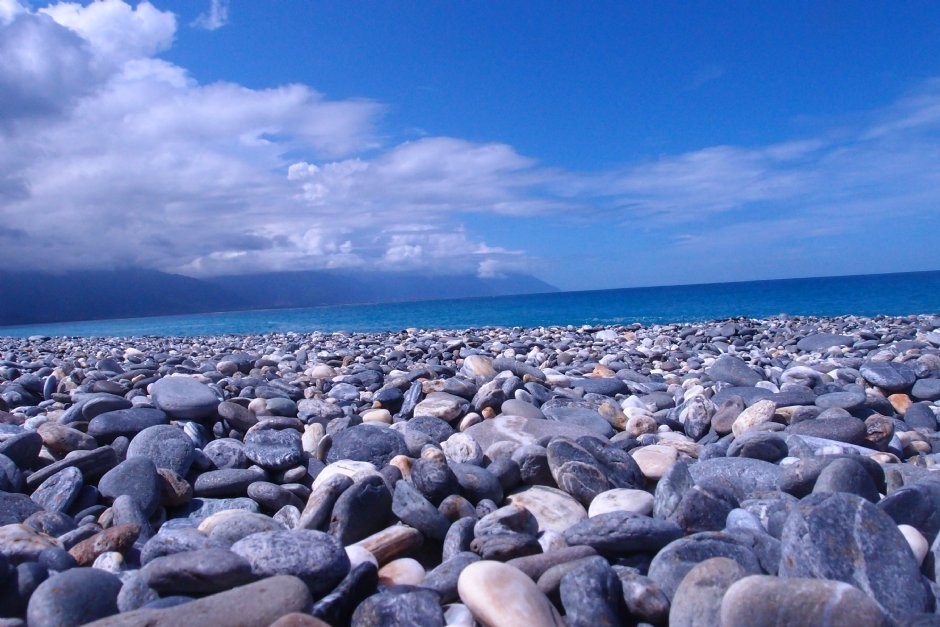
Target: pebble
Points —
{"points": [[500, 595], [642, 453], [698, 599], [74, 597]]}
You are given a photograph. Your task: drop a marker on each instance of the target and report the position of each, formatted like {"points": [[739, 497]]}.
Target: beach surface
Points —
{"points": [[737, 472]]}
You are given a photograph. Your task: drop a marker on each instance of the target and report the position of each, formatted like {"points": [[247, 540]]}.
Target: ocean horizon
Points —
{"points": [[864, 295]]}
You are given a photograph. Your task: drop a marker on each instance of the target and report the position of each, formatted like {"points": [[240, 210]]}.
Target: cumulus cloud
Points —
{"points": [[111, 156], [215, 17]]}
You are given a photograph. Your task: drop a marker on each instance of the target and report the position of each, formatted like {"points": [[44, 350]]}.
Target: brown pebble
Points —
{"points": [[118, 538], [297, 619]]}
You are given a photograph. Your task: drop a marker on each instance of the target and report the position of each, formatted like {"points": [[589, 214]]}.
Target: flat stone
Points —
{"points": [[274, 449], [622, 500], [592, 595], [846, 538], [765, 600], [499, 595], [125, 422], [447, 407], [225, 482], [19, 543], [22, 448], [623, 533], [199, 509], [553, 509], [697, 601], [654, 460], [184, 397], [413, 509], [256, 604], [522, 430], [733, 370], [846, 429], [579, 416], [137, 477], [607, 386], [367, 443], [746, 477], [757, 414], [169, 541], [167, 446], [63, 439], [361, 510], [74, 597], [674, 561], [15, 508], [818, 342], [399, 609], [887, 375], [199, 572], [926, 390], [58, 492], [117, 539], [313, 556]]}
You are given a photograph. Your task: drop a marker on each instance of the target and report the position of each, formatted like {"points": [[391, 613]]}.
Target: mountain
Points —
{"points": [[31, 297]]}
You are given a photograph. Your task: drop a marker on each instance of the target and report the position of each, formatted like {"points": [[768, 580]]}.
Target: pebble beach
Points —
{"points": [[735, 472]]}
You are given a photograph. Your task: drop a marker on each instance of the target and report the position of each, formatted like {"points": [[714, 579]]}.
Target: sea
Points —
{"points": [[864, 295]]}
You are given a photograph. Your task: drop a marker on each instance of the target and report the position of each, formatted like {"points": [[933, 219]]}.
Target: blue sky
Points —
{"points": [[605, 144]]}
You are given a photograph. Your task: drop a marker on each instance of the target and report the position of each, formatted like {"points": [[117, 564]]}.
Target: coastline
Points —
{"points": [[557, 458]]}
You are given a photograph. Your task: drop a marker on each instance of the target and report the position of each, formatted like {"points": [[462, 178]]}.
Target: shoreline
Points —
{"points": [[397, 473]]}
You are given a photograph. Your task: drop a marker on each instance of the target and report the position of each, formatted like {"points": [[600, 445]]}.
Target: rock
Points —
{"points": [[22, 448], [255, 604], [166, 446], [522, 430], [582, 417], [757, 414], [227, 527], [926, 389], [622, 500], [125, 422], [58, 492], [170, 541], [553, 509], [367, 443], [337, 607], [764, 600], [845, 429], [199, 572], [313, 556], [592, 595], [442, 405], [74, 597], [184, 397], [746, 477], [477, 483], [846, 538], [462, 449], [847, 475], [62, 439], [917, 542], [413, 509], [674, 561], [137, 477], [119, 539], [654, 460], [274, 449], [733, 370], [399, 609], [622, 533], [499, 595], [362, 510], [226, 482], [19, 543], [644, 599], [697, 601], [887, 375], [818, 342]]}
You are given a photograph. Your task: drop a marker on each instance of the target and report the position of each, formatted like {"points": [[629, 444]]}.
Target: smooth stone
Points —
{"points": [[671, 564], [92, 465], [22, 448], [201, 508], [522, 430], [847, 400], [747, 477], [622, 500], [167, 446], [169, 541], [592, 595], [313, 556], [723, 420], [226, 453], [705, 507], [184, 397], [575, 470], [763, 445], [367, 443], [916, 504], [118, 538], [361, 510], [11, 477], [227, 527], [239, 417], [622, 533], [847, 475], [478, 366], [749, 395], [757, 414], [338, 606], [606, 386], [136, 477], [58, 492], [63, 439], [460, 448], [654, 460], [447, 407], [443, 579], [410, 506], [274, 449], [846, 538], [19, 543], [847, 429], [733, 370], [199, 572], [800, 602], [697, 601], [272, 497], [500, 595], [920, 416], [432, 427], [515, 407], [399, 609], [405, 571], [644, 599], [553, 509], [926, 389], [74, 597], [225, 482], [256, 604], [887, 375], [434, 479], [817, 342], [125, 422], [917, 542], [582, 417], [316, 513], [477, 483]]}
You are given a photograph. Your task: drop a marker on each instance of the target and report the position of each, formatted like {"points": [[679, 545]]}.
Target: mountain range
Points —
{"points": [[34, 296]]}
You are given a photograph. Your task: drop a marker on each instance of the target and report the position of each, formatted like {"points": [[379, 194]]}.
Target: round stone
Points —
{"points": [[74, 597], [274, 449], [367, 443], [184, 397], [622, 500], [166, 445], [553, 509], [500, 595]]}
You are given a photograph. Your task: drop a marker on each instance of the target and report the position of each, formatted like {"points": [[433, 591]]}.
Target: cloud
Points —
{"points": [[214, 18], [111, 156]]}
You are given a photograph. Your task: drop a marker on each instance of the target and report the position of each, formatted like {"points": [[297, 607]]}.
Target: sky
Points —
{"points": [[591, 144]]}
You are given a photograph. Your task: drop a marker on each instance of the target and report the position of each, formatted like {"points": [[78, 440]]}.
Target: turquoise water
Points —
{"points": [[892, 294]]}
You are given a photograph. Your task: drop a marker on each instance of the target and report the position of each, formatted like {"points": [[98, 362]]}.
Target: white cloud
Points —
{"points": [[111, 156], [215, 17]]}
